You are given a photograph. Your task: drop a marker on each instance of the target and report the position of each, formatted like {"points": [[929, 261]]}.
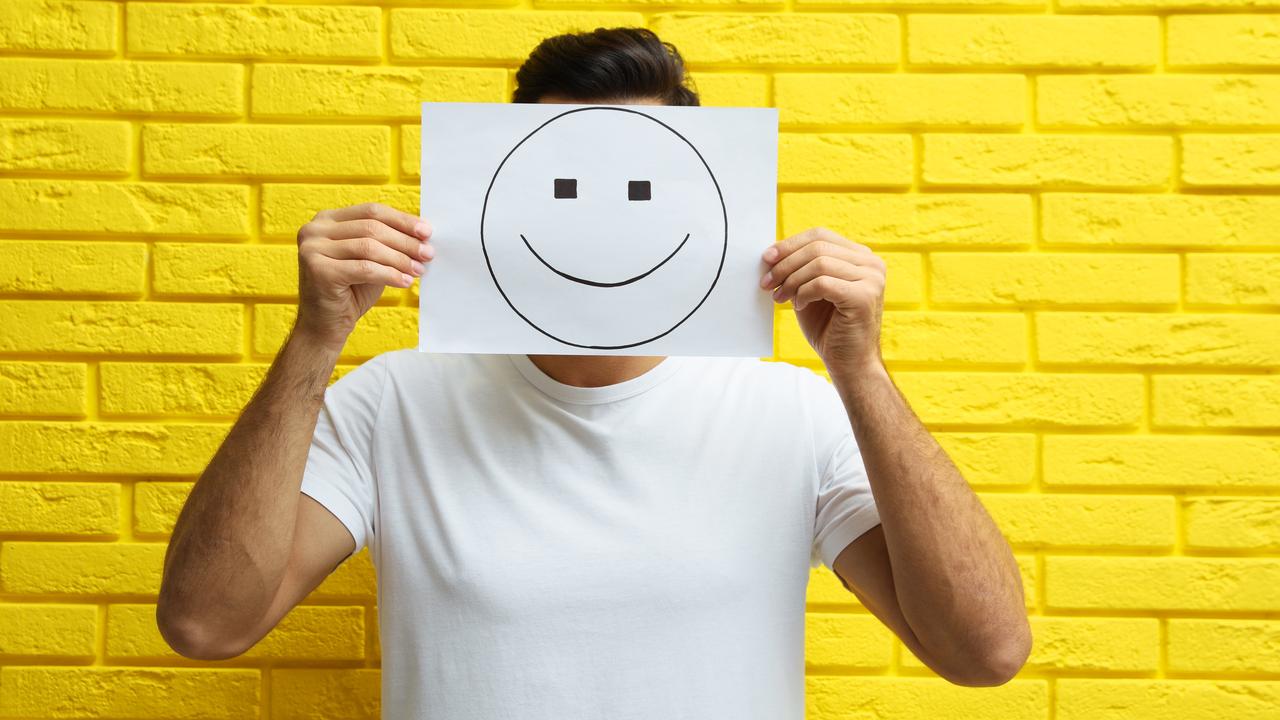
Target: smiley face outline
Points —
{"points": [[724, 241]]}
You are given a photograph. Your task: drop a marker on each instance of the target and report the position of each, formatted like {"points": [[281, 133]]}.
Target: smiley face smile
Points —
{"points": [[596, 283]]}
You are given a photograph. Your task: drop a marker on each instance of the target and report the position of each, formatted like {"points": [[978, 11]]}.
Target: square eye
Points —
{"points": [[566, 187], [638, 190]]}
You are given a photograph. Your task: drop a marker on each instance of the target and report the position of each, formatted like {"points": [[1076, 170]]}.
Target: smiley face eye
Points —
{"points": [[638, 190], [566, 188]]}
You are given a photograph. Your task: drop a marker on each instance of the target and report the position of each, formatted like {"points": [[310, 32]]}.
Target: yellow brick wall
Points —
{"points": [[1077, 201]]}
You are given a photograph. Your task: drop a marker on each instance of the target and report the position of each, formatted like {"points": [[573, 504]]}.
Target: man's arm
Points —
{"points": [[937, 570], [232, 568], [248, 545]]}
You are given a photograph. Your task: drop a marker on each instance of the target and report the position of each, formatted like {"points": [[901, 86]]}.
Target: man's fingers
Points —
{"points": [[367, 272], [383, 233], [404, 222], [817, 267], [370, 249], [806, 254]]}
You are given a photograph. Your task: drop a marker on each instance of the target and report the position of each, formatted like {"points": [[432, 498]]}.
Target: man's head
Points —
{"points": [[618, 66]]}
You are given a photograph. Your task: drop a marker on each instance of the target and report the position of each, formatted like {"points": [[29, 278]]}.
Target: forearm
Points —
{"points": [[231, 544], [956, 580]]}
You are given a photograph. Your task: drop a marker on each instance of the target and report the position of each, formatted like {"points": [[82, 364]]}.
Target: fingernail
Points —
{"points": [[421, 230], [408, 280], [417, 268], [777, 293], [764, 281], [428, 251], [770, 254]]}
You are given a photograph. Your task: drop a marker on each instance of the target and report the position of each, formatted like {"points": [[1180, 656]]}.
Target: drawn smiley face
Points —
{"points": [[604, 228]]}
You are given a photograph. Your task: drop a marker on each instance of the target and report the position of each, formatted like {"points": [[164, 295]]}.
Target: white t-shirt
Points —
{"points": [[634, 551]]}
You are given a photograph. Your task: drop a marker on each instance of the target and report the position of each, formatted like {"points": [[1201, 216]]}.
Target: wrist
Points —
{"points": [[313, 343]]}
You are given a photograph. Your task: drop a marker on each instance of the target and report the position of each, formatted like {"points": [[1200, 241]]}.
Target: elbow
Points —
{"points": [[193, 640], [998, 662]]}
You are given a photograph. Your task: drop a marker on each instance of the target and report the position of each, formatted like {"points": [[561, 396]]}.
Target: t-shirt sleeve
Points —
{"points": [[338, 472], [845, 506]]}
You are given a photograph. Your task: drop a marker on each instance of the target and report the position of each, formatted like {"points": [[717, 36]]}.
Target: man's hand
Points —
{"points": [[346, 257], [838, 291]]}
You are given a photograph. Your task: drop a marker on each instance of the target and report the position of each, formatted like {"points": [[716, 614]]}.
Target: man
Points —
{"points": [[561, 536]]}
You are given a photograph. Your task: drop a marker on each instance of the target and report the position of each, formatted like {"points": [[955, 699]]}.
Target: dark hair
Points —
{"points": [[623, 63]]}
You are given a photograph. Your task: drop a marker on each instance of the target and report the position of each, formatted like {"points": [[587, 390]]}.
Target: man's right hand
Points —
{"points": [[345, 258]]}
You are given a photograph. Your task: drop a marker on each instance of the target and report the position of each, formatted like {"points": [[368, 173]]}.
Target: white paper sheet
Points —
{"points": [[597, 229]]}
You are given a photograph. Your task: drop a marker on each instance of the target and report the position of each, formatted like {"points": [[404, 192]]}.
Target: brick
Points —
{"points": [[898, 100], [220, 390], [382, 329], [1217, 523], [305, 633], [1216, 401], [107, 448], [1157, 101], [109, 327], [844, 159], [924, 221], [439, 34], [1214, 645], [1083, 521], [1157, 5], [1158, 339], [130, 694], [81, 568], [410, 152], [111, 86], [253, 31], [59, 26], [1032, 41], [846, 641], [1225, 41], [1084, 644], [1156, 461], [1024, 399], [1051, 279], [82, 146], [222, 270], [286, 207], [156, 506], [1159, 221], [1163, 583], [1231, 160], [32, 388], [60, 508], [1233, 279], [1149, 699], [987, 460], [124, 208], [732, 89], [931, 4], [54, 268], [266, 150], [54, 631], [302, 91], [1047, 161], [832, 697], [927, 337], [337, 694], [865, 39]]}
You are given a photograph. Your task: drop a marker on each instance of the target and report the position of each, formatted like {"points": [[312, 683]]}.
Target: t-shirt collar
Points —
{"points": [[596, 395]]}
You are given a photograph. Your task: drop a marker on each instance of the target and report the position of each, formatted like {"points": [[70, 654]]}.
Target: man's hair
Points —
{"points": [[618, 64]]}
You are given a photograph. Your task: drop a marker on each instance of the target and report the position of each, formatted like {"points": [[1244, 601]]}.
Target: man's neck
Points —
{"points": [[595, 370]]}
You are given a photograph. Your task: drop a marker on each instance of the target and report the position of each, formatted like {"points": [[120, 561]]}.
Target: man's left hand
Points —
{"points": [[837, 288]]}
